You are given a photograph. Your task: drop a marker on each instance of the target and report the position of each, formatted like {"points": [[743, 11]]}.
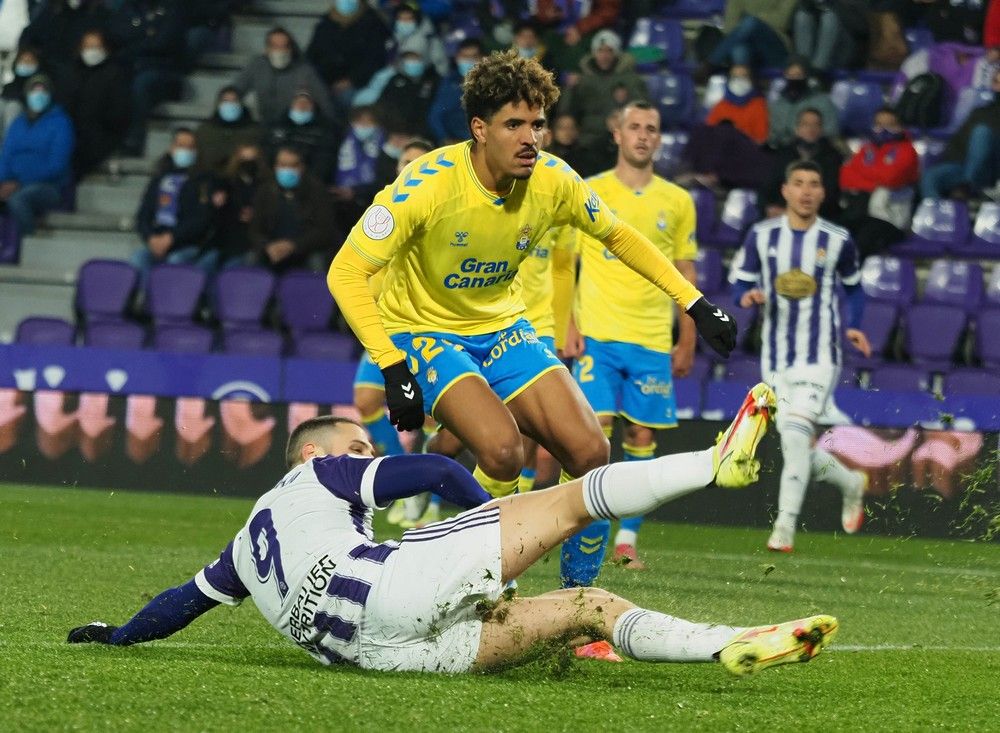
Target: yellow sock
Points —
{"points": [[608, 430], [494, 487], [639, 452], [525, 482], [565, 478]]}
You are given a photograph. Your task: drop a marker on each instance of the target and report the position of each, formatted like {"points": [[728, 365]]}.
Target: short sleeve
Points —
{"points": [[394, 216], [847, 263], [351, 478], [685, 242], [582, 208], [747, 265], [219, 581]]}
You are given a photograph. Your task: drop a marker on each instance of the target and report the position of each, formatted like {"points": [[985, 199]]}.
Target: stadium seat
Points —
{"points": [[242, 295], [183, 339], [987, 343], [704, 210], [114, 335], [684, 9], [738, 212], [856, 103], [330, 346], [900, 378], [985, 238], [917, 39], [252, 342], [664, 36], [670, 156], [929, 151], [954, 282], [972, 382], [10, 241], [889, 280], [878, 323], [991, 298], [304, 301], [938, 226], [43, 331], [674, 96], [933, 333], [968, 99], [464, 26], [174, 293], [104, 289], [715, 90], [709, 267]]}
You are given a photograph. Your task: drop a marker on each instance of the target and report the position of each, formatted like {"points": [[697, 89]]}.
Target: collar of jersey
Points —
{"points": [[493, 198], [626, 187]]}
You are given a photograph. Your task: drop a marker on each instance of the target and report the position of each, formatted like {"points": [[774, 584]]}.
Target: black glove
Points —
{"points": [[403, 397], [96, 632], [715, 326]]}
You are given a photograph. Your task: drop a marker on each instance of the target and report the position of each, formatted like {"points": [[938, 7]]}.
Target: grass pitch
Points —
{"points": [[918, 647]]}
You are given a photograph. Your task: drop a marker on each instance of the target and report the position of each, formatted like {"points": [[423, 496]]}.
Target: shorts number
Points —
{"points": [[585, 365], [427, 347]]}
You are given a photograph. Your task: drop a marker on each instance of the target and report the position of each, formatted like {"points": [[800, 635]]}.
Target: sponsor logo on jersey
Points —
{"points": [[508, 340], [475, 273], [523, 238], [540, 252], [652, 386], [593, 206], [461, 239], [378, 222], [300, 618]]}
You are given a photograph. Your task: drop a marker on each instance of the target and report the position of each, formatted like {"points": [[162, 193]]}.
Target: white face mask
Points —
{"points": [[740, 86], [74, 4], [279, 59], [93, 56]]}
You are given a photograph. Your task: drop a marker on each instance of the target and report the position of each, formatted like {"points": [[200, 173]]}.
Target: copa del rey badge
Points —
{"points": [[378, 222]]}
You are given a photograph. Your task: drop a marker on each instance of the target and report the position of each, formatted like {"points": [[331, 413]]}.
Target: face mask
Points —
{"points": [[739, 86], [363, 132], [93, 56], [25, 69], [881, 137], [230, 111], [184, 157], [392, 151], [526, 53], [38, 100], [300, 116], [404, 28], [464, 66], [346, 7], [795, 88], [805, 145], [287, 177], [279, 59], [413, 69], [74, 4]]}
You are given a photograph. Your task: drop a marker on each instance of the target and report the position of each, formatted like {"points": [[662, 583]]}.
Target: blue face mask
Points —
{"points": [[363, 132], [287, 177], [184, 157], [882, 137], [230, 111], [464, 66], [526, 53], [300, 116], [413, 69], [38, 100], [24, 70], [347, 7], [405, 28]]}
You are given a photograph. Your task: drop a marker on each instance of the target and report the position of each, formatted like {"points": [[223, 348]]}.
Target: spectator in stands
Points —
{"points": [[608, 80], [971, 160], [292, 217], [403, 91], [878, 185], [35, 157], [59, 26], [565, 142], [799, 93], [150, 34], [277, 75], [177, 215], [742, 106], [756, 33], [206, 20], [353, 199], [991, 31], [97, 99], [571, 25], [27, 63], [13, 19], [229, 127], [830, 33], [528, 43], [244, 173], [412, 32], [447, 118], [306, 129], [348, 47], [955, 21], [809, 143]]}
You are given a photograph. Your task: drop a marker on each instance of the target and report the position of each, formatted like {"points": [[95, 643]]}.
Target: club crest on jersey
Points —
{"points": [[523, 237], [661, 221], [432, 376], [821, 256]]}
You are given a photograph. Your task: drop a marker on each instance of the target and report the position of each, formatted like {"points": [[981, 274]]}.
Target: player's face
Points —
{"points": [[342, 439], [638, 136], [803, 193], [511, 139]]}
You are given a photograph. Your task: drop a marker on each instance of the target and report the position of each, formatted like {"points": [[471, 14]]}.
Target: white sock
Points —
{"points": [[826, 467], [626, 537], [636, 487], [796, 440], [650, 636]]}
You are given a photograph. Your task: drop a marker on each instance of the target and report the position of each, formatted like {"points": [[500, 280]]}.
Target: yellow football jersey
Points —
{"points": [[536, 279], [613, 303], [452, 249]]}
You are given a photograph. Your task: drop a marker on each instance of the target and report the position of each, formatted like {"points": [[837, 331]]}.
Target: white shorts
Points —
{"points": [[808, 391], [421, 613]]}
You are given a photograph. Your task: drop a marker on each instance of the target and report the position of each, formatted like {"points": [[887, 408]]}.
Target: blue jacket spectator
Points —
{"points": [[447, 118], [35, 158]]}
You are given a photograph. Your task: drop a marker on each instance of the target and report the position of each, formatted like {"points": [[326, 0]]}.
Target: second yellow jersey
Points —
{"points": [[536, 280], [613, 303], [452, 250]]}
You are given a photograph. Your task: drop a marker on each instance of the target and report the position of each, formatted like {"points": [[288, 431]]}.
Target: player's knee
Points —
{"points": [[594, 453], [503, 459], [369, 401]]}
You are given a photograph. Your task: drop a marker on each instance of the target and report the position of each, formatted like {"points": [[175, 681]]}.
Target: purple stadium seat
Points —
{"points": [[42, 331], [938, 225], [929, 151], [666, 36], [972, 382], [952, 282], [900, 378], [709, 267], [114, 335], [174, 293], [704, 209], [333, 346], [304, 301], [183, 338], [918, 39], [10, 241], [991, 298], [104, 289], [889, 280], [683, 9], [878, 323], [673, 94], [252, 342], [968, 99], [856, 103], [987, 343], [241, 295], [985, 238], [464, 27], [670, 156], [933, 332], [738, 212]]}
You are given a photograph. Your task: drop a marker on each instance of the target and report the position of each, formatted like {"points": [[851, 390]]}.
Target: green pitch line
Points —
{"points": [[918, 646]]}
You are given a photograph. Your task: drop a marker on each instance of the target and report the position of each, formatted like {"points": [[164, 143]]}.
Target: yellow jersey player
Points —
{"points": [[622, 331], [448, 332]]}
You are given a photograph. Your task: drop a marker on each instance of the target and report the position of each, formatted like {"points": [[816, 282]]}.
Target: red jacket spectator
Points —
{"points": [[991, 28], [751, 118], [892, 164], [603, 14]]}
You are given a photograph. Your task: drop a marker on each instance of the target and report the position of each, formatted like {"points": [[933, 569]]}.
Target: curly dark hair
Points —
{"points": [[504, 77]]}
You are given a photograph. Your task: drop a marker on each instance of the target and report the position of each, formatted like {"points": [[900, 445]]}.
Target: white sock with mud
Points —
{"points": [[627, 489], [796, 449], [650, 636]]}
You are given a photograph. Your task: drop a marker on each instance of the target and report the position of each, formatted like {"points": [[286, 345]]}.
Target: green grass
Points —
{"points": [[918, 647]]}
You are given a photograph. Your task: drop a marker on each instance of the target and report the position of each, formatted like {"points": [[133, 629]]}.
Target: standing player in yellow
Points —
{"points": [[448, 332], [622, 331]]}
